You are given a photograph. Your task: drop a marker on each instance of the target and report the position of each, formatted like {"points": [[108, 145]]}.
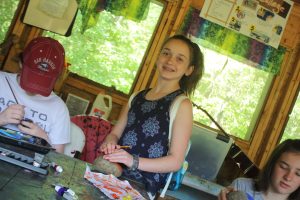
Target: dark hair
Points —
{"points": [[264, 179], [189, 83]]}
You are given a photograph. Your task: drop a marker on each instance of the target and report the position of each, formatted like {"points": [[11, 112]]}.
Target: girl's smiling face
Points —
{"points": [[286, 174], [174, 60]]}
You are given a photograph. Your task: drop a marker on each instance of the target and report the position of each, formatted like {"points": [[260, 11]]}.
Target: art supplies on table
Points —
{"points": [[24, 140]]}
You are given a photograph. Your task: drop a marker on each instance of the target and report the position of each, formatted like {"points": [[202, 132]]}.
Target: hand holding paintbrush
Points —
{"points": [[13, 114], [16, 100]]}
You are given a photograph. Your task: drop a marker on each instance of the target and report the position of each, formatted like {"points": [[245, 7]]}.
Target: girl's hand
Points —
{"points": [[120, 156], [33, 129], [109, 147], [13, 114], [224, 192]]}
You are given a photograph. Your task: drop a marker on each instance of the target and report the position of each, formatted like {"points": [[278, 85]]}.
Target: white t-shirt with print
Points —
{"points": [[50, 113]]}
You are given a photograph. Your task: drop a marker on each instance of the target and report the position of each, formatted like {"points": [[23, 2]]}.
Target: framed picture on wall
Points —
{"points": [[76, 105]]}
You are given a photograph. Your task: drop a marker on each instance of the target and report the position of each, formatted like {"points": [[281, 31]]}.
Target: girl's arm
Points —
{"points": [[109, 144]]}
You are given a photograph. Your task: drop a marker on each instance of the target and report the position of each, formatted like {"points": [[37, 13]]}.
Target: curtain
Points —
{"points": [[136, 10], [232, 44], [89, 12]]}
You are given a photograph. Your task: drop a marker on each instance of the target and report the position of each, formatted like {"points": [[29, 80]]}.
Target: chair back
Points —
{"points": [[77, 141], [177, 181]]}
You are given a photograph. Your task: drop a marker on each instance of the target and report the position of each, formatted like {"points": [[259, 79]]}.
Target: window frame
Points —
{"points": [[278, 105]]}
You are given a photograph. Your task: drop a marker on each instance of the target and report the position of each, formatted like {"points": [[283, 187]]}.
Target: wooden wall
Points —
{"points": [[277, 106]]}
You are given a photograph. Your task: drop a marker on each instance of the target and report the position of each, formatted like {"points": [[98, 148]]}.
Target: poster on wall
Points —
{"points": [[263, 20]]}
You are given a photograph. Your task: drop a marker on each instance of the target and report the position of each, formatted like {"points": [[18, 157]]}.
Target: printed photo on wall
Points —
{"points": [[261, 20]]}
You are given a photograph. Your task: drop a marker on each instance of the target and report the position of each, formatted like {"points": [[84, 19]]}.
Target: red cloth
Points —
{"points": [[95, 130]]}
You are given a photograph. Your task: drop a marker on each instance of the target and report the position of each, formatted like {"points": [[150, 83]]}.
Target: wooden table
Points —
{"points": [[19, 183]]}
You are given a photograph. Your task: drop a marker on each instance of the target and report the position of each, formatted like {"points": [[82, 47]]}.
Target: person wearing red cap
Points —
{"points": [[29, 95]]}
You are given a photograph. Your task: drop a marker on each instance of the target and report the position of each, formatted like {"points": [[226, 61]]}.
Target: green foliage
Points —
{"points": [[7, 11], [111, 52], [292, 130], [231, 92]]}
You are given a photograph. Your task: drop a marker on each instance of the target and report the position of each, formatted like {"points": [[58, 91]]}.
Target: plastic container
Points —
{"points": [[102, 106]]}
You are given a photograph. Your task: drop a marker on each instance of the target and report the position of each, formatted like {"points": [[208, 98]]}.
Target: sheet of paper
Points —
{"points": [[54, 15], [112, 187]]}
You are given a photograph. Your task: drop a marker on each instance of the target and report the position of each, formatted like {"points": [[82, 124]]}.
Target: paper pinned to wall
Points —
{"points": [[55, 8], [259, 19], [55, 15]]}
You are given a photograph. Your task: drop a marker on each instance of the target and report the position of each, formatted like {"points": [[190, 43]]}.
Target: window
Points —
{"points": [[111, 52], [232, 92], [292, 129], [7, 11]]}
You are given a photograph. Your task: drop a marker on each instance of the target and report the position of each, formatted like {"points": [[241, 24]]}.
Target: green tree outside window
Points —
{"points": [[111, 52], [232, 92], [292, 129], [7, 11]]}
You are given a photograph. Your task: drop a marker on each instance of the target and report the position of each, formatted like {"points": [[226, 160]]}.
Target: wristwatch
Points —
{"points": [[135, 163]]}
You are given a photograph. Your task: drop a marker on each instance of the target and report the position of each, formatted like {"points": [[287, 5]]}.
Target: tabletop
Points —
{"points": [[19, 183]]}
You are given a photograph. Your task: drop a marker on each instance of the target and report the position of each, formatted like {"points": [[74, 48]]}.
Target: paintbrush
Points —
{"points": [[125, 147], [12, 90]]}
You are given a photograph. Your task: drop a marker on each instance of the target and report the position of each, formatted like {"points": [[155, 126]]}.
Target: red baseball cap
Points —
{"points": [[43, 61]]}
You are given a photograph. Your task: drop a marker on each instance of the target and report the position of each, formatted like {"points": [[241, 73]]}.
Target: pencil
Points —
{"points": [[125, 147]]}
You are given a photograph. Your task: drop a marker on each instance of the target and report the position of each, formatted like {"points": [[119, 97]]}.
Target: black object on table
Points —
{"points": [[22, 160], [20, 183]]}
